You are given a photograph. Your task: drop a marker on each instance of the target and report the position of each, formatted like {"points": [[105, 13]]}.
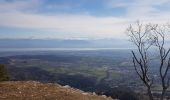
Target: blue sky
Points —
{"points": [[77, 18]]}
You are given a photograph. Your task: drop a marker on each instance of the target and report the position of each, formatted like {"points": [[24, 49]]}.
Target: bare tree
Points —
{"points": [[145, 37], [159, 41], [140, 38]]}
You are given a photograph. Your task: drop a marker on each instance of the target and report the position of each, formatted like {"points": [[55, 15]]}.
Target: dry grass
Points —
{"points": [[31, 90]]}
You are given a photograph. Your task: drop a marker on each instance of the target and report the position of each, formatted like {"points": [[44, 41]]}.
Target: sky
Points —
{"points": [[80, 19]]}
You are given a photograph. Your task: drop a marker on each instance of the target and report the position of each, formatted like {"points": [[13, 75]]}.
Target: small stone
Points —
{"points": [[85, 93], [66, 86]]}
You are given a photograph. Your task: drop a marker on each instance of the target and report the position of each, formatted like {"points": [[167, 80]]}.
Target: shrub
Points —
{"points": [[3, 73]]}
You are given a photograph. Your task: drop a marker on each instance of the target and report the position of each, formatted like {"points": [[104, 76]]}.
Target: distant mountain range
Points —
{"points": [[64, 43]]}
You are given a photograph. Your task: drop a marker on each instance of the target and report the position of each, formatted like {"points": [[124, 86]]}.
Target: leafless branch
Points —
{"points": [[145, 37]]}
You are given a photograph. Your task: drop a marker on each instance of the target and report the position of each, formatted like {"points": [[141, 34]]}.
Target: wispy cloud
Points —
{"points": [[82, 24], [21, 14], [139, 8], [18, 5], [75, 24]]}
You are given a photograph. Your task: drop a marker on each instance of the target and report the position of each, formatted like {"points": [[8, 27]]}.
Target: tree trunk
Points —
{"points": [[162, 94], [150, 94]]}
